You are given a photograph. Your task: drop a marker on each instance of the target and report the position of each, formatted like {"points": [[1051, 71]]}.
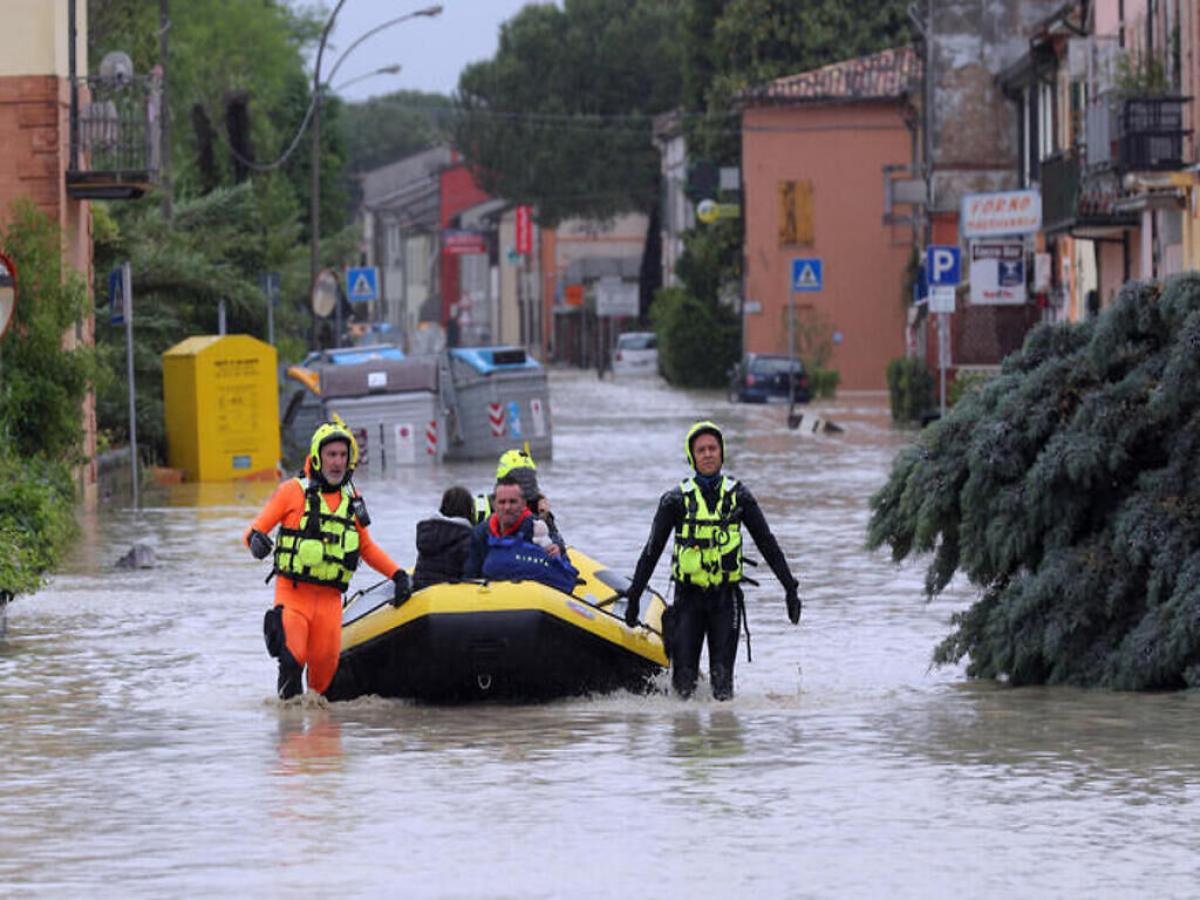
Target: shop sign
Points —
{"points": [[998, 273], [1001, 213]]}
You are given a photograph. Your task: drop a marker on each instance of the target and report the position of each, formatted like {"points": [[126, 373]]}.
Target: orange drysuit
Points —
{"points": [[312, 613]]}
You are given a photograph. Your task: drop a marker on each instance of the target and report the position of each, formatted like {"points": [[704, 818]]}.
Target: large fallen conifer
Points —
{"points": [[1067, 489]]}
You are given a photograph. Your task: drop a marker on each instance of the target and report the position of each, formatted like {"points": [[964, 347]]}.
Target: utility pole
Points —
{"points": [[164, 150]]}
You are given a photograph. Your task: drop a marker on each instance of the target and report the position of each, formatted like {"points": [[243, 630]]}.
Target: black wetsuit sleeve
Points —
{"points": [[756, 524], [670, 511]]}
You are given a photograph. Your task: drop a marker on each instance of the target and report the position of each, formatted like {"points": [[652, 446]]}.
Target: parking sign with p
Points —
{"points": [[943, 265]]}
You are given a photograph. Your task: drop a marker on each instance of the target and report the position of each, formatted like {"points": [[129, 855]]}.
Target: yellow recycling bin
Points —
{"points": [[221, 404]]}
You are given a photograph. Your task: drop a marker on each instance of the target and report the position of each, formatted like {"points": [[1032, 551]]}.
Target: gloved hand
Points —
{"points": [[403, 588], [260, 544], [631, 609], [793, 604]]}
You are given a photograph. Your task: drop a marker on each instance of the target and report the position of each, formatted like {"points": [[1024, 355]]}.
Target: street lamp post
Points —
{"points": [[314, 208]]}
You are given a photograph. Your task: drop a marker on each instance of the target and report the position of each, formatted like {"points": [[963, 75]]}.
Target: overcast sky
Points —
{"points": [[432, 50]]}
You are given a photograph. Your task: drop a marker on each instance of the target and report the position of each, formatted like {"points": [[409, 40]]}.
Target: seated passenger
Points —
{"points": [[444, 540], [520, 465], [504, 546]]}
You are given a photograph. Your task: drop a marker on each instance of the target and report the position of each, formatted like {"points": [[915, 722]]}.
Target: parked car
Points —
{"points": [[763, 377], [636, 353]]}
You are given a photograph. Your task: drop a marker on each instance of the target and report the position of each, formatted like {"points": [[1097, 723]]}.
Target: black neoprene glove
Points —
{"points": [[260, 544], [793, 604], [631, 610], [403, 588]]}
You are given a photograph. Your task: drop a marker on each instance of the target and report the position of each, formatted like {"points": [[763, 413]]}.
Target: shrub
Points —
{"points": [[824, 382], [910, 389], [37, 520], [698, 341], [41, 403], [43, 384]]}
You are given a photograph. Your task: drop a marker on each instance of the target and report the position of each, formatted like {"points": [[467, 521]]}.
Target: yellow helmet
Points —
{"points": [[705, 427], [514, 459], [332, 431]]}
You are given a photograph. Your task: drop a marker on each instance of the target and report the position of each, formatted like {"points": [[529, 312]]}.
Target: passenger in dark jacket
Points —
{"points": [[512, 518], [444, 541]]}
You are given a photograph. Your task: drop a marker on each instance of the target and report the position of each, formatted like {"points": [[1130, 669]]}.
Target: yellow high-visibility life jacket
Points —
{"points": [[324, 549], [708, 542]]}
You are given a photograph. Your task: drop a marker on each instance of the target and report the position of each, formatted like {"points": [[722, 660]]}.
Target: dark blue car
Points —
{"points": [[764, 377]]}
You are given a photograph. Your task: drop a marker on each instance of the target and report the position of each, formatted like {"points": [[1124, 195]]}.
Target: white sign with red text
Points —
{"points": [[1001, 213]]}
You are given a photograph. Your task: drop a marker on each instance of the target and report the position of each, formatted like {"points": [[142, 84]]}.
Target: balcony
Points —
{"points": [[115, 138], [1150, 131], [1081, 202], [1136, 134]]}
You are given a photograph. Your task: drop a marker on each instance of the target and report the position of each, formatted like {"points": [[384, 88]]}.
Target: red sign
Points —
{"points": [[574, 295], [8, 292], [457, 243], [524, 229]]}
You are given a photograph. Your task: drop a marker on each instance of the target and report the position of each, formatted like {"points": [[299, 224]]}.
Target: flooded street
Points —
{"points": [[143, 752]]}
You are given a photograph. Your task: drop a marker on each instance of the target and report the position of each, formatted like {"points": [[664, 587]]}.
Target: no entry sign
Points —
{"points": [[8, 292]]}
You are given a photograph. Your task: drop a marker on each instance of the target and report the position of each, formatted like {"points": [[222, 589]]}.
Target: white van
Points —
{"points": [[636, 353]]}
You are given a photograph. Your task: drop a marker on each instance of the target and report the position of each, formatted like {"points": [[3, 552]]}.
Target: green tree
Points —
{"points": [[216, 248], [224, 53], [734, 45], [232, 224], [385, 129], [1065, 489], [561, 116]]}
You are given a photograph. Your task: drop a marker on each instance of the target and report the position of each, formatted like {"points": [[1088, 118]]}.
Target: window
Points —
{"points": [[1045, 136]]}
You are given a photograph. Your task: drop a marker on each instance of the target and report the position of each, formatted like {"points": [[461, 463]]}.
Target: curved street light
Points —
{"points": [[314, 209], [393, 69]]}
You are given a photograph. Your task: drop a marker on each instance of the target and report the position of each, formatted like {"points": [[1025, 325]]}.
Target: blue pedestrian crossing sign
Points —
{"points": [[806, 274], [362, 284]]}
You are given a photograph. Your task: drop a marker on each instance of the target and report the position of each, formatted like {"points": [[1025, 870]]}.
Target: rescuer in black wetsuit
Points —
{"points": [[705, 514]]}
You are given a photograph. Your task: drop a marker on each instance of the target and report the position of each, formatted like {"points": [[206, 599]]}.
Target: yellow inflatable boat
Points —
{"points": [[504, 640]]}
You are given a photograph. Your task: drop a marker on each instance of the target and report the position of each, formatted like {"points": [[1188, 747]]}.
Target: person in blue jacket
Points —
{"points": [[509, 546]]}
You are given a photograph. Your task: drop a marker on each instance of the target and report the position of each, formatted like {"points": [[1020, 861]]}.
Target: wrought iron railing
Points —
{"points": [[115, 136], [1151, 133], [1136, 134]]}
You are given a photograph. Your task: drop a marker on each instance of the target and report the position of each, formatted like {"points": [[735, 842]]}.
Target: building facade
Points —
{"points": [[818, 151]]}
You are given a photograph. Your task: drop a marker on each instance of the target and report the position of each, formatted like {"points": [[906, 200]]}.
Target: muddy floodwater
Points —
{"points": [[142, 752]]}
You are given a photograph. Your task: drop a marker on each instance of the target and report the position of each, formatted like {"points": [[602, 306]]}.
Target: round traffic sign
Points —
{"points": [[8, 292], [707, 212]]}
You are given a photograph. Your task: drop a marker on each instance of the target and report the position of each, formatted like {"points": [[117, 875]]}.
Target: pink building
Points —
{"points": [[817, 151]]}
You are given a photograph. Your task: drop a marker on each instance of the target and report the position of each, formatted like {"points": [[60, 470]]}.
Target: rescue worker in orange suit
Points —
{"points": [[322, 535], [706, 513]]}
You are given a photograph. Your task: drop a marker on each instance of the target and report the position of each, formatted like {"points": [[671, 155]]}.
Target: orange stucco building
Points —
{"points": [[816, 152]]}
